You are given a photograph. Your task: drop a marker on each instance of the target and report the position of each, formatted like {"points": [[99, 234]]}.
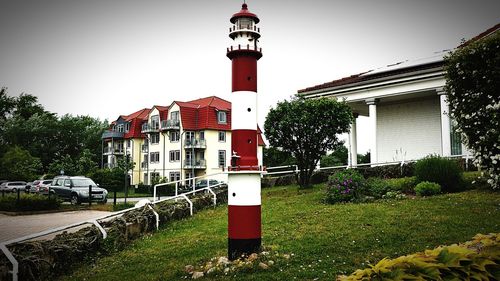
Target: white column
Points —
{"points": [[445, 124], [353, 151], [372, 109]]}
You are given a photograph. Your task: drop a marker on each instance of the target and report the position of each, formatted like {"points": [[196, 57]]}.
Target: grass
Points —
{"points": [[325, 240]]}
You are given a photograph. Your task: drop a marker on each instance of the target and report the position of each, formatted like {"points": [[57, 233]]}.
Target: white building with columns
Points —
{"points": [[406, 106]]}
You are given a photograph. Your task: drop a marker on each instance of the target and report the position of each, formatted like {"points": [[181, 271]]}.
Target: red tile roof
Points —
{"points": [[199, 114]]}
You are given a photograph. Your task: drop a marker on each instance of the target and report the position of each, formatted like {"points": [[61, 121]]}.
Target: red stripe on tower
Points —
{"points": [[244, 202]]}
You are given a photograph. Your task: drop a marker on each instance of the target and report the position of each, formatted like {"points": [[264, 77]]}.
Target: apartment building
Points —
{"points": [[175, 142]]}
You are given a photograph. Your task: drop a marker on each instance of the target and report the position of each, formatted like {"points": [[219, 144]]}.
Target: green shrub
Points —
{"points": [[426, 188], [28, 202], [344, 186], [404, 185], [319, 177], [443, 171], [474, 180], [474, 260], [388, 171], [376, 187]]}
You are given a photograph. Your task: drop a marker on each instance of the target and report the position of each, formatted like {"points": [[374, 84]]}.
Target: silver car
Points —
{"points": [[76, 190], [13, 186]]}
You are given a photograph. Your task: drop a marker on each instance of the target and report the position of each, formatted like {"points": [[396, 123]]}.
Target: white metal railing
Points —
{"points": [[15, 263], [177, 182], [295, 169]]}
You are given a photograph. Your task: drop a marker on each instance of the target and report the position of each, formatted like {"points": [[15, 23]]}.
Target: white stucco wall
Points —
{"points": [[413, 127]]}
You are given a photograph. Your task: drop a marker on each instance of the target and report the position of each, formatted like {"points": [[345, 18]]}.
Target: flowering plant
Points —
{"points": [[344, 186]]}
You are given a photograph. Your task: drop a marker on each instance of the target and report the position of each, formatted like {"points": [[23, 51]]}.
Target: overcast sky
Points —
{"points": [[104, 58]]}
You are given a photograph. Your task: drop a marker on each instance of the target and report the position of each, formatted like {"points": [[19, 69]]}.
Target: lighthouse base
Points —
{"points": [[238, 247]]}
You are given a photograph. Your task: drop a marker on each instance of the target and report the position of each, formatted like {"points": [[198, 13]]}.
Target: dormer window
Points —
{"points": [[119, 128], [174, 115], [221, 117], [127, 127]]}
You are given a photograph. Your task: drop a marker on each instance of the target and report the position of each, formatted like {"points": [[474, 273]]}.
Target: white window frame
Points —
{"points": [[175, 133], [221, 153], [174, 176], [152, 138], [222, 133], [221, 117], [174, 155], [154, 157]]}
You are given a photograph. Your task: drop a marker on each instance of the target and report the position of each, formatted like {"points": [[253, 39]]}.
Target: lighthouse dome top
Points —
{"points": [[244, 13]]}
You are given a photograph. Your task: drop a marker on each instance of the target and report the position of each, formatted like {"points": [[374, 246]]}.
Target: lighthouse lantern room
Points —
{"points": [[244, 174]]}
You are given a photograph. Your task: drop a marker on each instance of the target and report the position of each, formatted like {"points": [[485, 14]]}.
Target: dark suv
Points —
{"points": [[76, 189]]}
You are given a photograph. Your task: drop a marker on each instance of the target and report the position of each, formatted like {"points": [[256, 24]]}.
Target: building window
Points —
{"points": [[128, 143], [221, 117], [222, 136], [145, 178], [154, 157], [155, 138], [175, 155], [155, 122], [119, 128], [174, 115], [202, 135], [189, 136], [175, 176], [174, 136], [127, 127], [222, 158]]}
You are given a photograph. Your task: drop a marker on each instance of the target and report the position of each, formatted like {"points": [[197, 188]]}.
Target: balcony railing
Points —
{"points": [[150, 127], [195, 143], [112, 135], [115, 151], [145, 148], [195, 163], [171, 124]]}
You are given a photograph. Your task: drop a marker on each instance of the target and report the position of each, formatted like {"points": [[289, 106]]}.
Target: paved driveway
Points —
{"points": [[16, 226]]}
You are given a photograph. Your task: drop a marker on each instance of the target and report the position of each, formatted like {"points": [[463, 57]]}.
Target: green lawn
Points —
{"points": [[324, 240]]}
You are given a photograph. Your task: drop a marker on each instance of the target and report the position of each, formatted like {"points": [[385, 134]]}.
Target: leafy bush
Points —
{"points": [[440, 170], [29, 202], [426, 188], [388, 171], [376, 187], [404, 185], [475, 180], [474, 260], [344, 186]]}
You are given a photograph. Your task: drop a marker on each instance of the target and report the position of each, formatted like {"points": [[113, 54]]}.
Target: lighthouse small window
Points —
{"points": [[245, 23], [221, 117]]}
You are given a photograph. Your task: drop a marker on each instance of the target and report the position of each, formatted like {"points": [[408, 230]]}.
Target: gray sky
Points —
{"points": [[104, 58]]}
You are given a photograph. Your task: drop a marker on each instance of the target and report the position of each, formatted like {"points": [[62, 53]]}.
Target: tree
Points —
{"points": [[18, 164], [473, 87], [274, 157], [86, 164], [337, 158], [307, 128]]}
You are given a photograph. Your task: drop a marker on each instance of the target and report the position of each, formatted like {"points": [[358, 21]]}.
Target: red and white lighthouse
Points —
{"points": [[244, 201]]}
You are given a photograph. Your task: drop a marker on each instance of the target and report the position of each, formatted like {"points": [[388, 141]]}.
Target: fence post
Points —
{"points": [[3, 193], [114, 196], [49, 193], [90, 195], [18, 195]]}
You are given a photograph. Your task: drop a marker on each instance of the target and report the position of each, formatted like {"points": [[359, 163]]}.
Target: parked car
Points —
{"points": [[76, 189], [43, 187], [30, 186], [204, 183], [13, 186]]}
